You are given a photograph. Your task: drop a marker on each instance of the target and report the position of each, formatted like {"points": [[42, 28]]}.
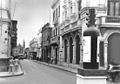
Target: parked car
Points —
{"points": [[21, 56]]}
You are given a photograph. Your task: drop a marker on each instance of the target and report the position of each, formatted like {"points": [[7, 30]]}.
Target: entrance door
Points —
{"points": [[56, 56], [114, 49], [77, 50], [65, 52], [71, 50]]}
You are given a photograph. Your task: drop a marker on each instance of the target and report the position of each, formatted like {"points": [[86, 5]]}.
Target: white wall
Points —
{"points": [[93, 3], [3, 40]]}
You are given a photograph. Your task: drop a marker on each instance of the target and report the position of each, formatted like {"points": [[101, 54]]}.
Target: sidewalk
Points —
{"points": [[67, 69], [58, 67], [8, 74]]}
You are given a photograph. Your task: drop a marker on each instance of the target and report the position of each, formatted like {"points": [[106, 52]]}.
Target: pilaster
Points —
{"points": [[68, 53], [105, 53], [74, 52]]}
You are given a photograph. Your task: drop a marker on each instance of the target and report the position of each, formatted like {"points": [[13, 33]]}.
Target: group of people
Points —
{"points": [[13, 65]]}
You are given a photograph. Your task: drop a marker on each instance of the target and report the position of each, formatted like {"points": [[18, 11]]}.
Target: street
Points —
{"points": [[35, 73]]}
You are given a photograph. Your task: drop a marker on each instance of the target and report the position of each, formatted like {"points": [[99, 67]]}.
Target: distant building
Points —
{"points": [[21, 49], [27, 53], [45, 44], [23, 43], [55, 35], [33, 48], [39, 48]]}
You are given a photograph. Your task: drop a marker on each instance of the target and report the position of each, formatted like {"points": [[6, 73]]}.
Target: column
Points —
{"points": [[74, 53], [81, 53], [68, 53], [105, 53], [63, 52]]}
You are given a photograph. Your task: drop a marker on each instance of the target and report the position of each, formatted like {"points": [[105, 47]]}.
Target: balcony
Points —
{"points": [[55, 21], [108, 21], [54, 40], [45, 43], [70, 27]]}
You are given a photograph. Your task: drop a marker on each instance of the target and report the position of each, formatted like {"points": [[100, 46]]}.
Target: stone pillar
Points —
{"points": [[105, 53], [68, 53], [63, 54], [74, 53], [81, 54]]}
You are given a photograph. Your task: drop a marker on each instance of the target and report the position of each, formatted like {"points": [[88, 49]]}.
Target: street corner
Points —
{"points": [[11, 74]]}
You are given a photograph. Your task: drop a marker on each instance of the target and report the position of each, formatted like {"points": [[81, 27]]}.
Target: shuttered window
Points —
{"points": [[117, 4], [114, 7]]}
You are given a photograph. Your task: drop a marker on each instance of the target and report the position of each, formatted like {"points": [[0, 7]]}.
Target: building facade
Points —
{"points": [[55, 36], [33, 47], [45, 44], [88, 33], [70, 31], [39, 51], [110, 34]]}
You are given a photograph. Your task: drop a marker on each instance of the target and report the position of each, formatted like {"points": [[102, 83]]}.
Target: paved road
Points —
{"points": [[40, 74]]}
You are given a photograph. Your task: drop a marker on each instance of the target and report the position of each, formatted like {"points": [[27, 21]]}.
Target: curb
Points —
{"points": [[12, 75], [56, 66], [15, 74]]}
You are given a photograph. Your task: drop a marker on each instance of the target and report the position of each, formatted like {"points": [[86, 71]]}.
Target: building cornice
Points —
{"points": [[54, 3]]}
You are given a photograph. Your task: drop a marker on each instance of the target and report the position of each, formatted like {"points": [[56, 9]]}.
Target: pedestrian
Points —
{"points": [[11, 65], [16, 64], [48, 60], [51, 60]]}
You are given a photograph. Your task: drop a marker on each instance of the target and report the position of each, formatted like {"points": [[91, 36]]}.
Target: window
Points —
{"points": [[71, 9], [111, 8], [58, 11], [79, 5], [114, 8], [53, 15], [117, 6], [55, 31]]}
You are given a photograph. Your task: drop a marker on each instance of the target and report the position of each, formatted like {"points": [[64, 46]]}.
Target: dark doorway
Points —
{"points": [[77, 49], [71, 50], [114, 49], [56, 56], [65, 50]]}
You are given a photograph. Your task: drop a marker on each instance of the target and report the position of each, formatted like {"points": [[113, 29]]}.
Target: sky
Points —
{"points": [[31, 16]]}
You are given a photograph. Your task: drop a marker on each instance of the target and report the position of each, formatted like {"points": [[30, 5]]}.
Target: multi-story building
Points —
{"points": [[89, 32], [45, 44], [70, 31], [39, 37], [90, 50], [55, 36], [100, 29], [109, 26]]}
